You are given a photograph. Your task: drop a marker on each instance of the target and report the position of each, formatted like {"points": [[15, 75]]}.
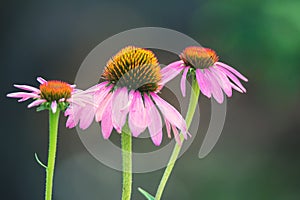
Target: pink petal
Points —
{"points": [[176, 135], [231, 69], [87, 116], [138, 118], [23, 99], [171, 114], [23, 95], [233, 78], [203, 83], [73, 113], [28, 88], [236, 88], [119, 101], [222, 80], [36, 103], [183, 80], [171, 71], [70, 123], [155, 126], [168, 127], [102, 106], [41, 80], [216, 89], [54, 106], [106, 124]]}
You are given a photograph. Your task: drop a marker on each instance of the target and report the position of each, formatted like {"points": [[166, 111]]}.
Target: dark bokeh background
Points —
{"points": [[257, 156]]}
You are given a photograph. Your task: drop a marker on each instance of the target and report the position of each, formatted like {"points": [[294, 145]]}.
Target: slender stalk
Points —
{"points": [[127, 162], [195, 92], [53, 127]]}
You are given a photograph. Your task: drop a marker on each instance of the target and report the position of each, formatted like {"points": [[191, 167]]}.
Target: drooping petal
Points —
{"points": [[233, 78], [231, 69], [176, 135], [183, 81], [28, 88], [215, 87], [36, 103], [86, 119], [41, 80], [171, 114], [102, 106], [171, 71], [73, 113], [155, 125], [119, 109], [222, 80], [106, 123], [138, 118], [168, 127], [236, 88], [203, 83]]}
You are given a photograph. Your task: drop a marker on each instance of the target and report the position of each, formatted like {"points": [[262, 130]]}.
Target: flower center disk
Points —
{"points": [[199, 57], [134, 68], [55, 90]]}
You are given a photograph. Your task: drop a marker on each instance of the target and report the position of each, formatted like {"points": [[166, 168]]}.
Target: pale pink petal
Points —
{"points": [[176, 135], [54, 106], [23, 95], [236, 88], [74, 112], [231, 69], [233, 78], [36, 103], [119, 101], [106, 123], [102, 106], [155, 126], [222, 80], [171, 114], [101, 93], [183, 80], [171, 71], [86, 119], [92, 96], [216, 88], [83, 115], [24, 99], [203, 83], [70, 122], [41, 80], [168, 127], [28, 88], [138, 118]]}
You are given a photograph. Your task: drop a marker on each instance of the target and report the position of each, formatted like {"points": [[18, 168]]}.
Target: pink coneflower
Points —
{"points": [[212, 76], [52, 94], [129, 93]]}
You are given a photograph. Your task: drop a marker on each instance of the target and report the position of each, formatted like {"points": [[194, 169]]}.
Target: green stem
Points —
{"points": [[53, 126], [195, 92], [127, 162]]}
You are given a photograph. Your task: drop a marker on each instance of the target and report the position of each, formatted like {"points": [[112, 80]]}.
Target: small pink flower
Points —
{"points": [[212, 76], [129, 94], [52, 95]]}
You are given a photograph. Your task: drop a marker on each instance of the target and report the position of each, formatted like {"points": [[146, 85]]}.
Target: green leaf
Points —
{"points": [[146, 194], [38, 160], [43, 106]]}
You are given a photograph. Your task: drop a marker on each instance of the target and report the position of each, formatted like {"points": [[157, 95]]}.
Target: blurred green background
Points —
{"points": [[258, 154]]}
